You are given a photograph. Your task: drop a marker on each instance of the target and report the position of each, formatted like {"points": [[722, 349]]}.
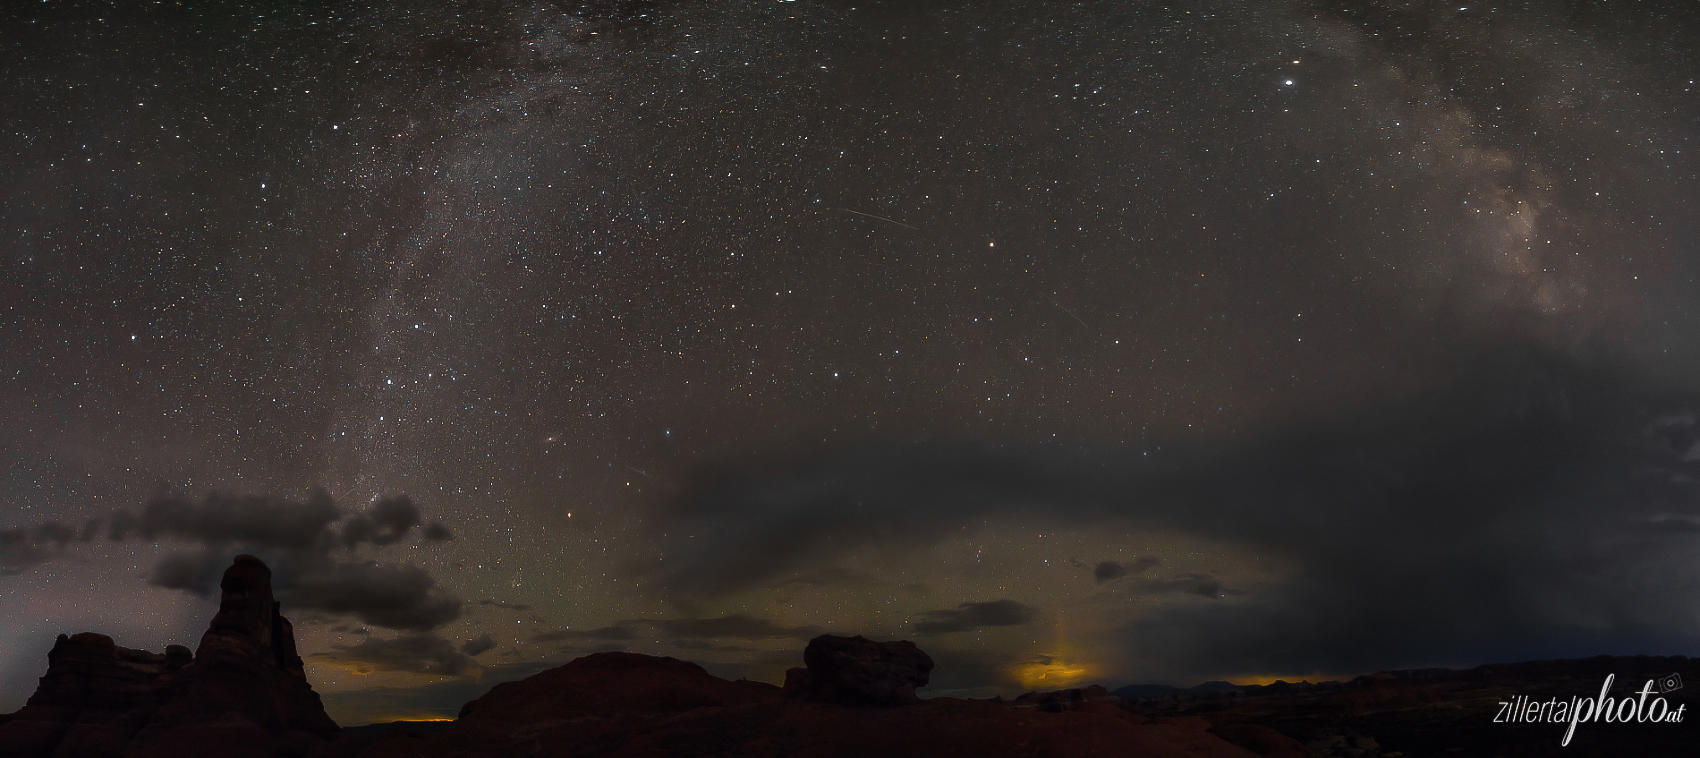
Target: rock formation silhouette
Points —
{"points": [[244, 691], [857, 697], [858, 671]]}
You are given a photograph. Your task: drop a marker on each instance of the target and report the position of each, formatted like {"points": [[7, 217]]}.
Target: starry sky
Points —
{"points": [[1078, 342]]}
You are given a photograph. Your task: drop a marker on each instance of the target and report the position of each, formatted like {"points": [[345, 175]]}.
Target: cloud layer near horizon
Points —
{"points": [[1538, 505], [298, 539]]}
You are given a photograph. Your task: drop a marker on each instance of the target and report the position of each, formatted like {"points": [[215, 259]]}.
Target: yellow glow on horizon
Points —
{"points": [[1053, 675], [357, 668], [330, 675], [385, 719]]}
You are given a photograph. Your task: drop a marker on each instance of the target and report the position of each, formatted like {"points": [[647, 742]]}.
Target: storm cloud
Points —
{"points": [[397, 596], [1536, 505]]}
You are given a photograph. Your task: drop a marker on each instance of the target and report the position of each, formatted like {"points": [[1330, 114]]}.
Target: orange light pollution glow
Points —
{"points": [[1048, 672]]}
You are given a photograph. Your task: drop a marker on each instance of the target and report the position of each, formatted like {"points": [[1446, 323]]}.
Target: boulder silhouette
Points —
{"points": [[859, 671]]}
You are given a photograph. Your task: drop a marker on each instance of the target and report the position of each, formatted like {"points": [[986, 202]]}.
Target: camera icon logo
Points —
{"points": [[1670, 683]]}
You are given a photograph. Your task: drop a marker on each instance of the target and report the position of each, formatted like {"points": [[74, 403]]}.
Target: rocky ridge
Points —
{"points": [[854, 697]]}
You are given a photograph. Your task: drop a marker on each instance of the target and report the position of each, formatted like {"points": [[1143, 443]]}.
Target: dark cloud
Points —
{"points": [[294, 538], [1107, 570], [758, 520], [259, 521], [968, 616], [19, 551], [221, 523], [481, 645], [423, 653], [388, 520], [504, 606], [22, 548], [1211, 588], [185, 571], [122, 525], [387, 595], [396, 596], [297, 540], [1534, 506], [55, 532]]}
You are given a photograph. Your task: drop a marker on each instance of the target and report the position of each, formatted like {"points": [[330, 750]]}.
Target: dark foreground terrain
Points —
{"points": [[243, 693], [1443, 712]]}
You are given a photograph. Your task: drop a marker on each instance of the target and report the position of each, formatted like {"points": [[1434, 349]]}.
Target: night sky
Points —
{"points": [[1078, 342]]}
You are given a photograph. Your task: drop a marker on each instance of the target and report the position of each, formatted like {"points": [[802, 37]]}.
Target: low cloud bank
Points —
{"points": [[1537, 505]]}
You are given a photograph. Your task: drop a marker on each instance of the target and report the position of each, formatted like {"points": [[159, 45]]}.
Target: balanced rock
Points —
{"points": [[859, 671]]}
